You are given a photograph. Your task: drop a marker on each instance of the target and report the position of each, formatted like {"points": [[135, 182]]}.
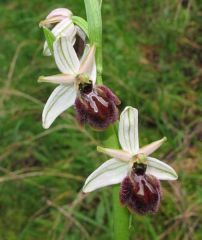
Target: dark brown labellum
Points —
{"points": [[141, 193], [96, 106]]}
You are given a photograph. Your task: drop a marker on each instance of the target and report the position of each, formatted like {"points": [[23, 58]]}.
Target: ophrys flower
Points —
{"points": [[138, 173], [60, 22], [94, 104]]}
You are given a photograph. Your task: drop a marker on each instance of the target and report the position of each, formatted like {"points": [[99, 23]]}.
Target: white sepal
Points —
{"points": [[65, 56], [61, 99], [115, 153], [152, 147], [160, 170], [59, 79], [55, 16], [64, 28], [111, 172], [128, 130], [62, 12]]}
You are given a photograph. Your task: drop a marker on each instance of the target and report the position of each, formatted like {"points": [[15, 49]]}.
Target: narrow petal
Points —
{"points": [[115, 153], [88, 65], [128, 130], [61, 99], [65, 56], [53, 20], [93, 73], [111, 172], [58, 79], [160, 170], [152, 147]]}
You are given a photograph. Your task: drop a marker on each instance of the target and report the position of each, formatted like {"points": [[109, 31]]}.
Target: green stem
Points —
{"points": [[94, 18], [121, 217], [120, 214]]}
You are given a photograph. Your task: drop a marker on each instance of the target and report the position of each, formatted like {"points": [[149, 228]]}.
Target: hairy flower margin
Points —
{"points": [[138, 173]]}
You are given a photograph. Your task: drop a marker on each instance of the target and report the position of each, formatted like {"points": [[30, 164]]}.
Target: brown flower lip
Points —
{"points": [[96, 106], [140, 192]]}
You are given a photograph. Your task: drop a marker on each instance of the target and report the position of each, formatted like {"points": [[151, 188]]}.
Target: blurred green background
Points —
{"points": [[152, 59]]}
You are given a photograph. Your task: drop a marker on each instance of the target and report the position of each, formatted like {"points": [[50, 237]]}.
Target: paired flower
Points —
{"points": [[61, 24], [138, 173], [94, 104]]}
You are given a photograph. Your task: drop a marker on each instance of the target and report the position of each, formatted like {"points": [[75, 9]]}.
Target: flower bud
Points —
{"points": [[96, 106], [140, 192], [56, 16]]}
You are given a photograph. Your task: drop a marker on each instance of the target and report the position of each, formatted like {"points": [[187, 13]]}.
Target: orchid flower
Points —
{"points": [[133, 167], [61, 20], [95, 105]]}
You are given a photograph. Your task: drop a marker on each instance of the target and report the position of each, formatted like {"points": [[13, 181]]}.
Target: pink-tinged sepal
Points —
{"points": [[96, 106], [141, 193]]}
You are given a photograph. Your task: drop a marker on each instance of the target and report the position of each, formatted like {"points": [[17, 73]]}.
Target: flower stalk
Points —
{"points": [[120, 214], [94, 18]]}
